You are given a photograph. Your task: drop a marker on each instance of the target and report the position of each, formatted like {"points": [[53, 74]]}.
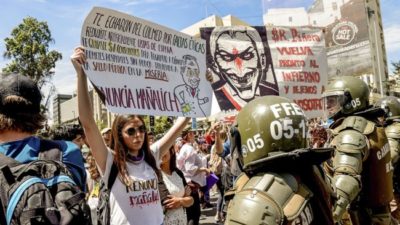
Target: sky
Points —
{"points": [[65, 19]]}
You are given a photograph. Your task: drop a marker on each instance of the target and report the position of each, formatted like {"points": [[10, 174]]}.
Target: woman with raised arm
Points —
{"points": [[134, 197]]}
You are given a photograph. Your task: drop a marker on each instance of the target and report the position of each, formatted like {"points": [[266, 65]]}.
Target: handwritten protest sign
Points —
{"points": [[240, 60], [299, 59], [144, 68]]}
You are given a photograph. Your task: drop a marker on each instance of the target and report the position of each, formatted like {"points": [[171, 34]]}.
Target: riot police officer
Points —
{"points": [[280, 182], [362, 172], [391, 106]]}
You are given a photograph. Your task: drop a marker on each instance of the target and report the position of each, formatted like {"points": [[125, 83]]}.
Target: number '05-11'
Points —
{"points": [[285, 129]]}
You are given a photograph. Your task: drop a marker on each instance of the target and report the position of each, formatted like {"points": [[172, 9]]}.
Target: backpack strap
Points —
{"points": [[50, 150], [112, 177]]}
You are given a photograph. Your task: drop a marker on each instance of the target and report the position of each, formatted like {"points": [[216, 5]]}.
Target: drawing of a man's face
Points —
{"points": [[238, 59], [190, 72]]}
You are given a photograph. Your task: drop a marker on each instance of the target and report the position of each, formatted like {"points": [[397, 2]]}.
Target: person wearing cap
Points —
{"points": [[21, 119], [106, 134], [190, 164]]}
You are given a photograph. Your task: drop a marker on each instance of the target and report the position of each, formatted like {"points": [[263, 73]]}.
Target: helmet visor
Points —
{"points": [[332, 104]]}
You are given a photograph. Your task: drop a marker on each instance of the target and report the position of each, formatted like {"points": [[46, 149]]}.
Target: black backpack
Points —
{"points": [[103, 208], [40, 192]]}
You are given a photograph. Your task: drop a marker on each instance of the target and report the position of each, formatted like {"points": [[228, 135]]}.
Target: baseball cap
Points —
{"points": [[105, 130], [21, 86]]}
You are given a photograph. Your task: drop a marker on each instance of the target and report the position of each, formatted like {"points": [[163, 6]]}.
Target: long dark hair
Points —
{"points": [[120, 149], [172, 159]]}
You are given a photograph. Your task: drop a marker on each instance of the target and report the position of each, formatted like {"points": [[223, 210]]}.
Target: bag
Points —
{"points": [[103, 207], [40, 192], [211, 180]]}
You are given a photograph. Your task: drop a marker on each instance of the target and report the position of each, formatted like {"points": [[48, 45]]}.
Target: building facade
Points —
{"points": [[213, 21], [57, 101], [65, 110]]}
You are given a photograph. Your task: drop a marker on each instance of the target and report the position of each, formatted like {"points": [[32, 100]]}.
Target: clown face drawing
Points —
{"points": [[241, 64]]}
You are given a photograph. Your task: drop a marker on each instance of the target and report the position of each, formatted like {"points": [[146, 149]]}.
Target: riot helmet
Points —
{"points": [[345, 95], [391, 106], [268, 126]]}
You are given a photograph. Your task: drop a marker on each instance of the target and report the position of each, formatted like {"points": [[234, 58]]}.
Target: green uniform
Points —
{"points": [[393, 134], [281, 181], [361, 166]]}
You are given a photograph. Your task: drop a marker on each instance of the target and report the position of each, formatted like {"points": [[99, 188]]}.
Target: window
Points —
{"points": [[290, 19]]}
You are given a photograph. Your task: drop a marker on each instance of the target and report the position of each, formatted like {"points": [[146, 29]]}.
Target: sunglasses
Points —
{"points": [[132, 131]]}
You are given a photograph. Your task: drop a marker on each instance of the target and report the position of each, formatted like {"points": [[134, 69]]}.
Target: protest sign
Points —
{"points": [[347, 35], [248, 62], [240, 60], [299, 59], [140, 67]]}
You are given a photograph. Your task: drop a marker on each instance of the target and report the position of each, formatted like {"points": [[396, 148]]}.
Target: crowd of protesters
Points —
{"points": [[189, 163], [166, 180]]}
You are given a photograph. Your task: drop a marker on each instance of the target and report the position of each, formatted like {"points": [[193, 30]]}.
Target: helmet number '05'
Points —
{"points": [[285, 128], [256, 142], [355, 102]]}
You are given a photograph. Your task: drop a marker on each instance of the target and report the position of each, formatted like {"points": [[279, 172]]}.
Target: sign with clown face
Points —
{"points": [[249, 62], [240, 60]]}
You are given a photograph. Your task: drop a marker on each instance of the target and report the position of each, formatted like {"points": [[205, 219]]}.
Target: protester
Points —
{"points": [[93, 184], [69, 132], [21, 119], [106, 134], [191, 166], [131, 154], [151, 138], [204, 155], [216, 166], [137, 165], [180, 193]]}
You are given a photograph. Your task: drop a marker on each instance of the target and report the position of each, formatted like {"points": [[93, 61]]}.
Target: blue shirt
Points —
{"points": [[226, 148], [27, 150]]}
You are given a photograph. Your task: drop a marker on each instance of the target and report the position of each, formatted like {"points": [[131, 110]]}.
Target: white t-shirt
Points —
{"points": [[140, 206], [175, 187], [189, 163]]}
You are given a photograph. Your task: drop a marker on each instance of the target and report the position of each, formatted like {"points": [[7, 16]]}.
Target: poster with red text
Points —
{"points": [[300, 64]]}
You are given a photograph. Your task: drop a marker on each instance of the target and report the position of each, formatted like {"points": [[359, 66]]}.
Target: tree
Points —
{"points": [[161, 124], [28, 47], [396, 66]]}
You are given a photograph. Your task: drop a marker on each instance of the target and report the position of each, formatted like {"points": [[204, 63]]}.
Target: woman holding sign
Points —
{"points": [[134, 196]]}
